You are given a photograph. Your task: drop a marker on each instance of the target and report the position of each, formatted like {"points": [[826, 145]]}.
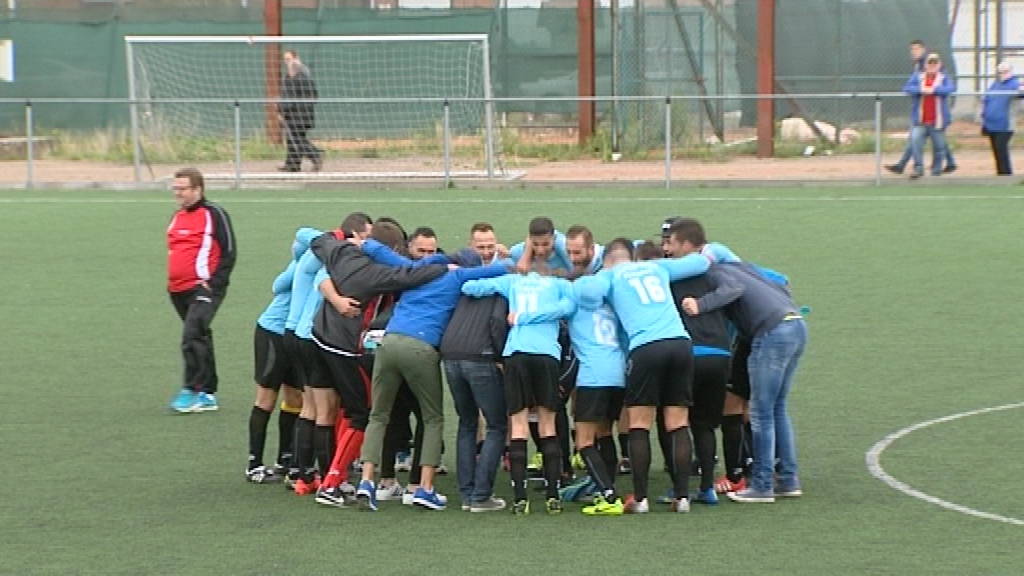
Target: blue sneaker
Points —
{"points": [[205, 403], [577, 490], [366, 496], [430, 500], [706, 496], [185, 401]]}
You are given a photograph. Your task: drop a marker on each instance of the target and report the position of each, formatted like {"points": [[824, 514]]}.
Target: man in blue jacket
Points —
{"points": [[918, 55], [998, 118], [929, 113]]}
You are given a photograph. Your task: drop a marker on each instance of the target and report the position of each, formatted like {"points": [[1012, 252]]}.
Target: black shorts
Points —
{"points": [[317, 373], [595, 405], [710, 373], [660, 373], [531, 381], [349, 378], [290, 344], [273, 367], [739, 375]]}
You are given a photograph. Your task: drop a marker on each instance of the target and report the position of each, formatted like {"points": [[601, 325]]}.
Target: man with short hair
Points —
{"points": [[765, 314], [531, 359], [422, 243], [659, 372], [201, 254], [297, 114], [484, 241], [543, 250]]}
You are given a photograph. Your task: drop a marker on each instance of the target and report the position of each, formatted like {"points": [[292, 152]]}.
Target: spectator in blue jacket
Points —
{"points": [[918, 55], [998, 118], [929, 113]]}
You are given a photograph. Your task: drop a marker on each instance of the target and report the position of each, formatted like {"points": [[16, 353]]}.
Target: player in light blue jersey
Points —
{"points": [[581, 251], [598, 342], [272, 371], [531, 359], [659, 369], [544, 250]]}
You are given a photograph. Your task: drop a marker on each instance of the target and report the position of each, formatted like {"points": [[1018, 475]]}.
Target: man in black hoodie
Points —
{"points": [[357, 277]]}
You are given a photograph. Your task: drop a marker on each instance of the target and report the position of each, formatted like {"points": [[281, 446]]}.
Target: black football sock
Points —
{"points": [[666, 446], [552, 452], [286, 434], [562, 431], [704, 442], [682, 454], [597, 467], [304, 448], [624, 445], [748, 448], [606, 448], [323, 447], [640, 460], [517, 468], [258, 420], [732, 446]]}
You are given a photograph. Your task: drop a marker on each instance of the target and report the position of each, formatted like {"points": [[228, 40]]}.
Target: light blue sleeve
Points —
{"points": [[488, 286], [720, 252], [685, 267], [563, 307], [590, 292], [516, 252], [283, 282], [321, 275], [560, 248], [507, 262], [308, 264], [306, 235]]}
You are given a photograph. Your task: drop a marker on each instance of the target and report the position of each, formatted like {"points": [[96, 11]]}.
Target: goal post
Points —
{"points": [[378, 98]]}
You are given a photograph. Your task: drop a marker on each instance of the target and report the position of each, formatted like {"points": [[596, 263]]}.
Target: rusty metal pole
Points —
{"points": [[765, 78], [272, 66], [586, 64]]}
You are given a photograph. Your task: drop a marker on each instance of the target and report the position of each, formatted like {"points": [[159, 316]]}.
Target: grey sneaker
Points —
{"points": [[752, 496], [490, 505], [794, 492]]}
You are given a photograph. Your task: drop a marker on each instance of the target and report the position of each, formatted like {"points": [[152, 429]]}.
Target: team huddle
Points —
{"points": [[368, 324]]}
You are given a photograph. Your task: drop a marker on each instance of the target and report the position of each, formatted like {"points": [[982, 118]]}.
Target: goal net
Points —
{"points": [[213, 101]]}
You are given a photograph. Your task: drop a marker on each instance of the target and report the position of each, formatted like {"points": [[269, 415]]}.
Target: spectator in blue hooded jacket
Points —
{"points": [[998, 118], [929, 113]]}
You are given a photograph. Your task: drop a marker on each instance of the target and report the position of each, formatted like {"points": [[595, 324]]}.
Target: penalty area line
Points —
{"points": [[874, 455]]}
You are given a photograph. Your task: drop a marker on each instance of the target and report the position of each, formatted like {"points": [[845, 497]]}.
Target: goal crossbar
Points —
{"points": [[140, 70]]}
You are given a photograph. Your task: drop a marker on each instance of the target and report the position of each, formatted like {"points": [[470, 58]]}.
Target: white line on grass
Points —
{"points": [[515, 200], [875, 467]]}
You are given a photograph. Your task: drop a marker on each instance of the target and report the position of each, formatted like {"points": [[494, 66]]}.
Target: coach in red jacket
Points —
{"points": [[200, 256]]}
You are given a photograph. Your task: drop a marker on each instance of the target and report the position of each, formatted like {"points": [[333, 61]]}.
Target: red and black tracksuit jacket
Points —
{"points": [[200, 248]]}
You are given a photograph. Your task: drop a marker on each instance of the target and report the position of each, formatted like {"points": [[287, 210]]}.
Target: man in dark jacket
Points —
{"points": [[341, 337], [297, 113], [471, 349]]}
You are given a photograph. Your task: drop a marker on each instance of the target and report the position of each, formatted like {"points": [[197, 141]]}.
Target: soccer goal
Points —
{"points": [[379, 112]]}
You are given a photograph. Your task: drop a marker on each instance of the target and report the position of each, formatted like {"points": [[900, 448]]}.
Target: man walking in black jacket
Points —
{"points": [[297, 114], [471, 350]]}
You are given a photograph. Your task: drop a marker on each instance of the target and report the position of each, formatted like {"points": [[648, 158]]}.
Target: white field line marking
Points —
{"points": [[875, 467], [513, 200]]}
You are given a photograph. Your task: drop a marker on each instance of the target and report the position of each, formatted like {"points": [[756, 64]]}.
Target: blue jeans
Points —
{"points": [[908, 153], [477, 387], [938, 137], [774, 357]]}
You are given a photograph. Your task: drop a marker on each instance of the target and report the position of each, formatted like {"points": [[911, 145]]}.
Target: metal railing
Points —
{"points": [[444, 114]]}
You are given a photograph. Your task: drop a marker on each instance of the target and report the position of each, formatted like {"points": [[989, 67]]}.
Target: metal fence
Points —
{"points": [[441, 157], [656, 48]]}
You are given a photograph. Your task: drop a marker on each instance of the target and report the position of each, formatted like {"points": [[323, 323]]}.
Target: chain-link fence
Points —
{"points": [[75, 49]]}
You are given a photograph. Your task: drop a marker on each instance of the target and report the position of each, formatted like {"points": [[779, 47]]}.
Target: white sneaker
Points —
{"points": [[681, 506], [392, 492], [403, 462], [407, 497], [638, 507]]}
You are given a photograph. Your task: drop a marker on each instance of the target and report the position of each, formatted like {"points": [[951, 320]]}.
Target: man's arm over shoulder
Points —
{"points": [[283, 282], [685, 267], [551, 311], [589, 292], [727, 290], [488, 286], [385, 278], [480, 272]]}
